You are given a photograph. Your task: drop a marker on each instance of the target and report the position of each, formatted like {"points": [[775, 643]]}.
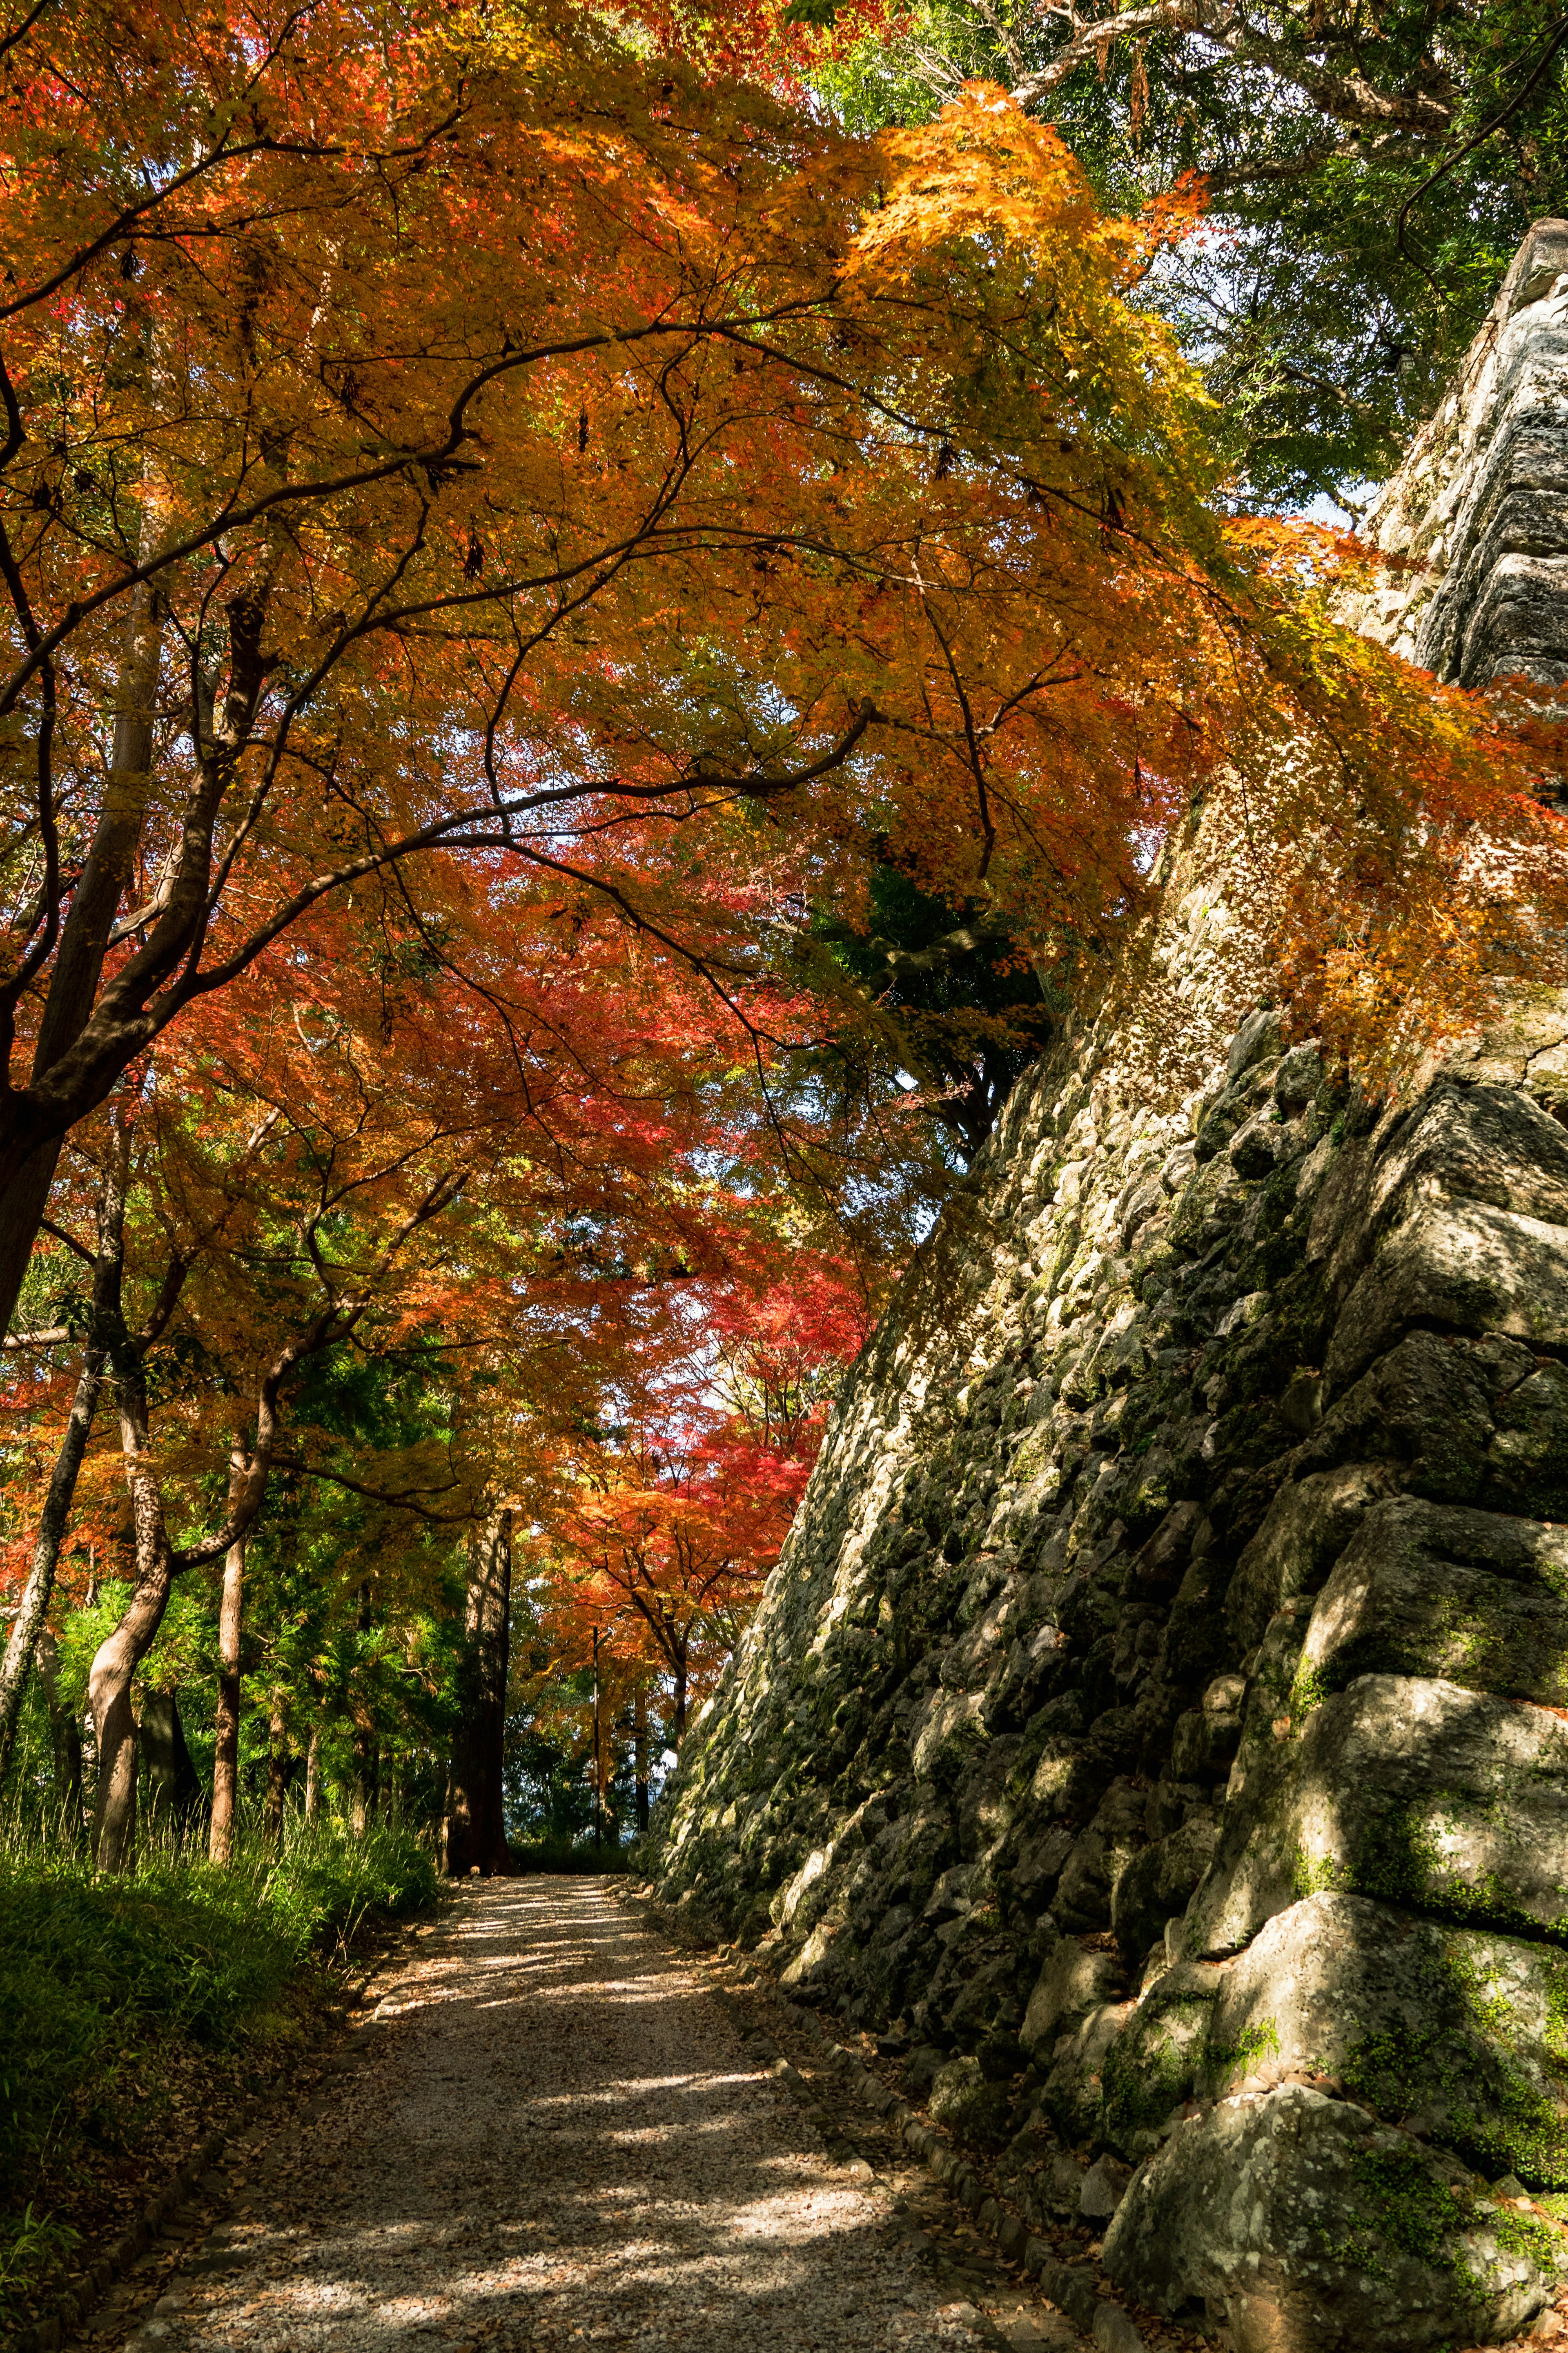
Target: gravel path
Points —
{"points": [[556, 2134]]}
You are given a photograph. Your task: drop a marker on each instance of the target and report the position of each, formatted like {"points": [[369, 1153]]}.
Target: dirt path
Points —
{"points": [[554, 2133]]}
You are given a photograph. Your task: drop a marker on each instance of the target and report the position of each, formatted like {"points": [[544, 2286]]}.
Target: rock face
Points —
{"points": [[1160, 1714], [1479, 508]]}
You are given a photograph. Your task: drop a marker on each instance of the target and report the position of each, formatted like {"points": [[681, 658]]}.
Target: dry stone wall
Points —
{"points": [[1479, 511], [1158, 1722]]}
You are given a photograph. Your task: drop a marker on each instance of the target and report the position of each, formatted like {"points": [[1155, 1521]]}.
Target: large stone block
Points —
{"points": [[1304, 1530], [1422, 1793], [1313, 2228], [1458, 2034], [1073, 1982], [1428, 1408], [1160, 2058], [1478, 1144], [1468, 1266], [1464, 1595]]}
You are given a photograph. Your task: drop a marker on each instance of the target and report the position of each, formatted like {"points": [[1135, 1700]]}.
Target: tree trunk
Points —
{"points": [[84, 937], [313, 1771], [365, 1800], [109, 1695], [639, 1752], [280, 1773], [108, 1276], [47, 1545], [109, 1680], [225, 1750], [476, 1809], [65, 1739], [173, 1790], [680, 1694], [89, 1768]]}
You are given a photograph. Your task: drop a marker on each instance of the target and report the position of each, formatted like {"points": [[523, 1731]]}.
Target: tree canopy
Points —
{"points": [[578, 641], [1368, 171]]}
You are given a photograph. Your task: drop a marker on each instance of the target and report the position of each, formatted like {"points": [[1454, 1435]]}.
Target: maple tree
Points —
{"points": [[515, 556], [552, 1168], [658, 495], [1370, 173], [666, 1522], [319, 1293]]}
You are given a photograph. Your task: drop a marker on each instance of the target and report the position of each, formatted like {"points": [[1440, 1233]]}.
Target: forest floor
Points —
{"points": [[553, 2130]]}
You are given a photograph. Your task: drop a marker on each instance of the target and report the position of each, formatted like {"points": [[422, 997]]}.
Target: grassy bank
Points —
{"points": [[567, 1854], [128, 2005]]}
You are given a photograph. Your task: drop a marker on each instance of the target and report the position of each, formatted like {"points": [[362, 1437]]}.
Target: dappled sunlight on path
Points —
{"points": [[559, 2137]]}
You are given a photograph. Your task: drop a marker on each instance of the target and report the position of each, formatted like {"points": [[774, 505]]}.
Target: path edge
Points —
{"points": [[1072, 2288]]}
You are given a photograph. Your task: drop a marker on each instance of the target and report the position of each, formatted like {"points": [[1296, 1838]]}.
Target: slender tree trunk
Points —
{"points": [[225, 1749], [680, 1694], [106, 1280], [109, 1680], [113, 1716], [52, 1527], [89, 1738], [365, 1800], [476, 1807], [278, 1775], [639, 1752], [65, 1739], [313, 1771]]}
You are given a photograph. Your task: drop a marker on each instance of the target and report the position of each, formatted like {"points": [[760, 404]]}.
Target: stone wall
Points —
{"points": [[1479, 511], [1158, 1722]]}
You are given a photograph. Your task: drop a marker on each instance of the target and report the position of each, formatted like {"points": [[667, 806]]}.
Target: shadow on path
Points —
{"points": [[557, 2137]]}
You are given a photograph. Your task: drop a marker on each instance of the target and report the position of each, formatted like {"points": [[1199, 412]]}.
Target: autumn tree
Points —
{"points": [[796, 489], [1369, 174], [669, 1520], [503, 594]]}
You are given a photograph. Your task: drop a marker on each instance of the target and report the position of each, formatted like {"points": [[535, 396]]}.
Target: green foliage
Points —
{"points": [[574, 1856], [964, 1008], [95, 1974], [1325, 336], [31, 2244], [183, 1655]]}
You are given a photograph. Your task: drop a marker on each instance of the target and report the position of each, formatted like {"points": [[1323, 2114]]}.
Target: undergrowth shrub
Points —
{"points": [[96, 1973], [566, 1854]]}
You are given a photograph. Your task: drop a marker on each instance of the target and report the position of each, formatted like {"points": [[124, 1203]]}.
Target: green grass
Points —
{"points": [[100, 1979], [568, 1854]]}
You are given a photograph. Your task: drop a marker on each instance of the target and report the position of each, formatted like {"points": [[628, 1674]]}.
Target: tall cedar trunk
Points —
{"points": [[174, 1790], [313, 1771], [639, 1753], [65, 1739], [680, 1694], [84, 938], [225, 1747], [476, 1810], [280, 1772]]}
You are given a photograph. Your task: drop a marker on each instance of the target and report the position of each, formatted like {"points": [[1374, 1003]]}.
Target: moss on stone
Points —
{"points": [[1401, 2205]]}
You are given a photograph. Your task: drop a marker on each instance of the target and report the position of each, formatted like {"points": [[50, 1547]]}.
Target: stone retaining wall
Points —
{"points": [[1159, 1718]]}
